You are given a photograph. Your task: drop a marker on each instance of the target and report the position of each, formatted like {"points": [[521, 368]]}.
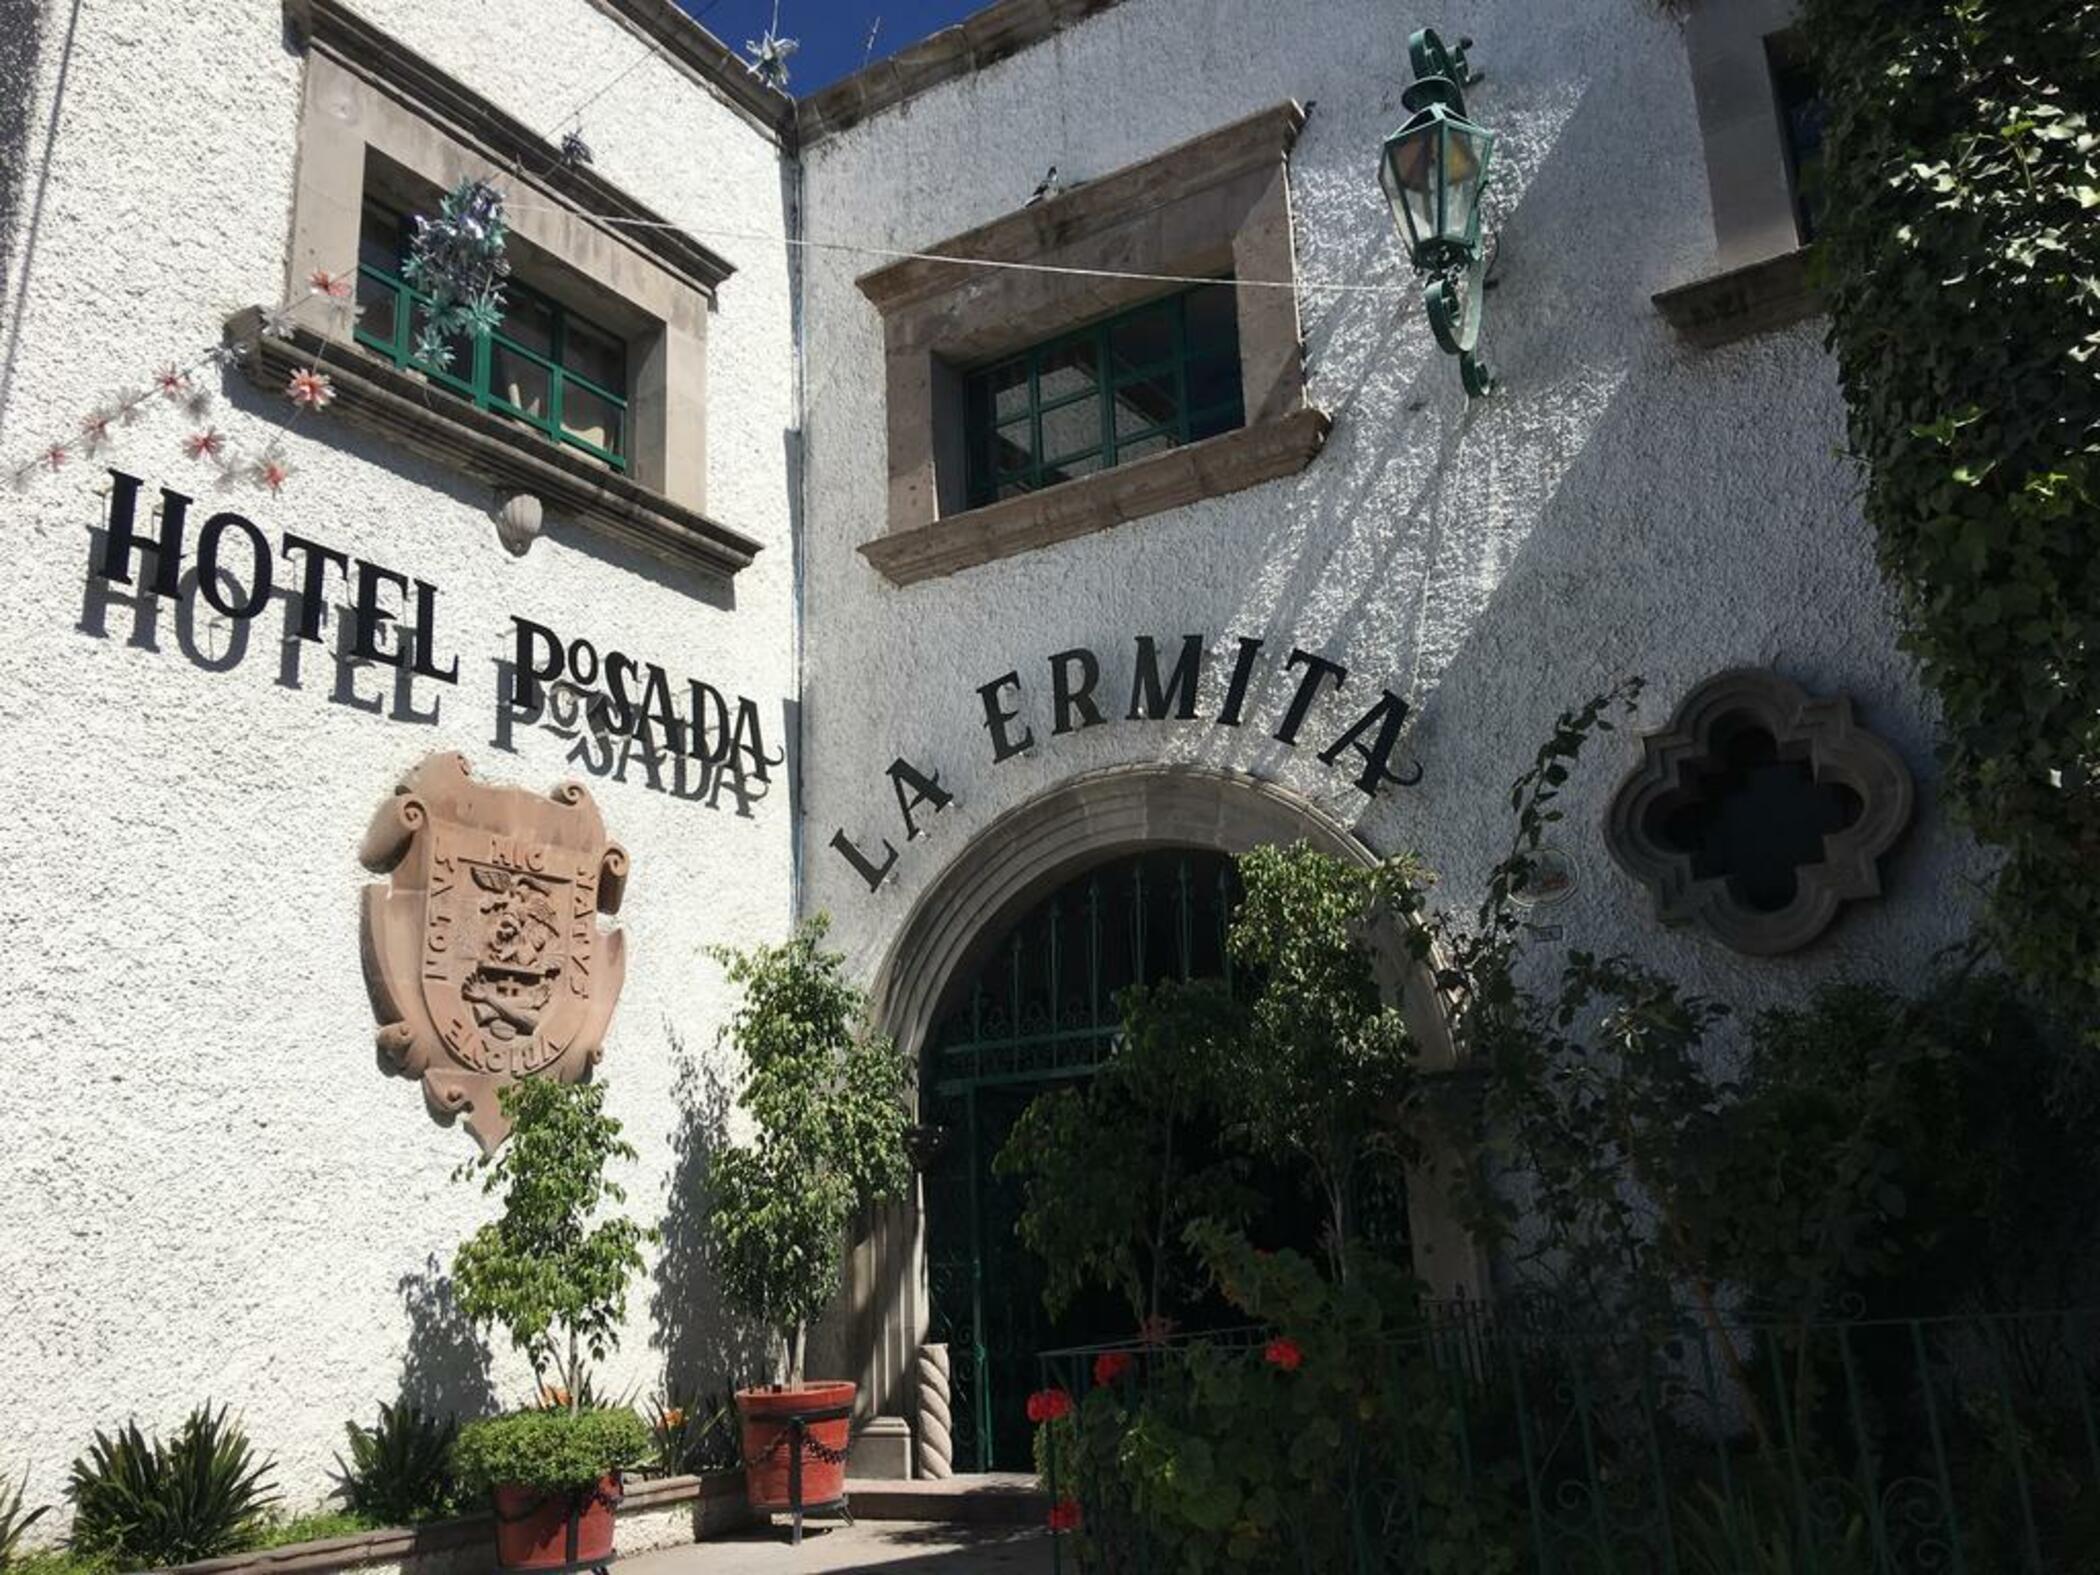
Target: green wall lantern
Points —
{"points": [[1433, 170]]}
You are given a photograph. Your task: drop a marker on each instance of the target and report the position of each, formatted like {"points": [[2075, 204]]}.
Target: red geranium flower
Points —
{"points": [[1283, 1352], [1109, 1366], [1064, 1515], [1047, 1405]]}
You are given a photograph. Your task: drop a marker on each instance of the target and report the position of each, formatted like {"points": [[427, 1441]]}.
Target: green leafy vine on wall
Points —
{"points": [[1961, 252]]}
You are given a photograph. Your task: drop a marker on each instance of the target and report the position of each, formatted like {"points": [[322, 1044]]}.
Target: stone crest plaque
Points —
{"points": [[482, 951]]}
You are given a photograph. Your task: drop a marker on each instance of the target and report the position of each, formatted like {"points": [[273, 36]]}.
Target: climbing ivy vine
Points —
{"points": [[1961, 251]]}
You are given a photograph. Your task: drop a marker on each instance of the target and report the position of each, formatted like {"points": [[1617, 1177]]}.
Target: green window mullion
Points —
{"points": [[1181, 369], [1035, 419], [1105, 392], [557, 375]]}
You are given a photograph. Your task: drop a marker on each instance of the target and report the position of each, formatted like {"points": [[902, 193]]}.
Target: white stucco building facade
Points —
{"points": [[210, 1189]]}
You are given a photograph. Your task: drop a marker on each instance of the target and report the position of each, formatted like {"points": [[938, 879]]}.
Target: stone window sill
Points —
{"points": [[401, 406], [1227, 463], [1752, 299]]}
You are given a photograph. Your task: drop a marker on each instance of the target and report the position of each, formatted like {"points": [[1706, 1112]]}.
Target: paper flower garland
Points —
{"points": [[457, 259]]}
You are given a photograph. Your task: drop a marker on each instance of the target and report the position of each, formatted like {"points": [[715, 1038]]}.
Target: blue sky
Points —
{"points": [[833, 33]]}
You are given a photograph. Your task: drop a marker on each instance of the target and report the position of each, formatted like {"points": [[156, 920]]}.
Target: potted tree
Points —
{"points": [[826, 1098], [557, 1284]]}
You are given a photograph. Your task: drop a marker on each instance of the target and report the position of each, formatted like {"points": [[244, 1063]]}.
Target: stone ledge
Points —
{"points": [[977, 41], [1262, 139], [1752, 299], [340, 33], [468, 1544], [694, 49], [401, 406], [1230, 462]]}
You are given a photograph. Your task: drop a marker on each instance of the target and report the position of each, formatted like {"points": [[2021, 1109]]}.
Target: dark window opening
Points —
{"points": [[1138, 383], [545, 368], [1802, 117], [1751, 812]]}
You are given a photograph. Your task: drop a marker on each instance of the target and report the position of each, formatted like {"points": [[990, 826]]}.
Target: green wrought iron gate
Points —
{"points": [[1040, 1013]]}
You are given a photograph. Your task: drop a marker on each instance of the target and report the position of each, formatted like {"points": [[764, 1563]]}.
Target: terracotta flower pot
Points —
{"points": [[826, 1413], [541, 1530]]}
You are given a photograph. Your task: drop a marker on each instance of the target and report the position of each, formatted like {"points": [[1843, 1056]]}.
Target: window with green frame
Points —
{"points": [[545, 367], [1138, 383]]}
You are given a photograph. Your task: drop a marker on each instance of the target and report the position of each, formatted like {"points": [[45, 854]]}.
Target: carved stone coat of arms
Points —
{"points": [[482, 950]]}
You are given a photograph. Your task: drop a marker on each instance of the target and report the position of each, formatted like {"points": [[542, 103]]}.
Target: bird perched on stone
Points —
{"points": [[1049, 186]]}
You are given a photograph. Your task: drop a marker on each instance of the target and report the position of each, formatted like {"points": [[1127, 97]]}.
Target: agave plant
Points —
{"points": [[14, 1520], [151, 1502], [400, 1468]]}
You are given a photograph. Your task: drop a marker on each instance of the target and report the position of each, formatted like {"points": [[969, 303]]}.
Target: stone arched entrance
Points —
{"points": [[1001, 875]]}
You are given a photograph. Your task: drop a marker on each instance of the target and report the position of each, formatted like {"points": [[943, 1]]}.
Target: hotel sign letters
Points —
{"points": [[390, 620], [1082, 694]]}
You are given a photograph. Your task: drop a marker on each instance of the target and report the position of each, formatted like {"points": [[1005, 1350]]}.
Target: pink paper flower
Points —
{"points": [[322, 282], [272, 473], [172, 382], [208, 444], [310, 390]]}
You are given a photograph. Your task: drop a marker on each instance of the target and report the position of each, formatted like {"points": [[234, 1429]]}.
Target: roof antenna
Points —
{"points": [[868, 54]]}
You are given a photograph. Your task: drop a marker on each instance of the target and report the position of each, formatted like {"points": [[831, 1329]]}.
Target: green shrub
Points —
{"points": [[153, 1502], [15, 1521], [400, 1468], [317, 1526], [551, 1450]]}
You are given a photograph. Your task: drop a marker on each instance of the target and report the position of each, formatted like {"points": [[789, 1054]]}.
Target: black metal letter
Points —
{"points": [[313, 594], [1064, 698], [208, 540], [121, 541], [1316, 668], [870, 871], [705, 698], [527, 674], [1149, 698], [1004, 745], [371, 617], [426, 630], [926, 789], [1236, 690], [1389, 713]]}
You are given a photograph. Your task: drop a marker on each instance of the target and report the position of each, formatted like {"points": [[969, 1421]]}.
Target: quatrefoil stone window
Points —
{"points": [[1759, 811]]}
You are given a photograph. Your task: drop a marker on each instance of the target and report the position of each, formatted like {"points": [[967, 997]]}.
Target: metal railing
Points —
{"points": [[1489, 1441]]}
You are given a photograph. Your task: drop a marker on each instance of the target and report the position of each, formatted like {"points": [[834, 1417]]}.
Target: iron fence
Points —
{"points": [[1489, 1441]]}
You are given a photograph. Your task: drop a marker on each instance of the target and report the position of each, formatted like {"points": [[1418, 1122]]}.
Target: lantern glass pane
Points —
{"points": [[1466, 149], [1409, 176]]}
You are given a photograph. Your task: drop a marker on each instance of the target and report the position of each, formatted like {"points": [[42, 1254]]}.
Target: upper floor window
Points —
{"points": [[545, 367], [1138, 383], [1802, 113]]}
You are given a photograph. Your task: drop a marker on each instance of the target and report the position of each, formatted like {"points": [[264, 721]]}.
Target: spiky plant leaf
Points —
{"points": [[400, 1468]]}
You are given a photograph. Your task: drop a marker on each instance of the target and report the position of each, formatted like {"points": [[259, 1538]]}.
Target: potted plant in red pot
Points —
{"points": [[826, 1098], [555, 1278]]}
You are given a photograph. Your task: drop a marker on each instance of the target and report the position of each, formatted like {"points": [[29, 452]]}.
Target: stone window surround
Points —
{"points": [[1215, 204], [1761, 280], [378, 120], [1838, 749]]}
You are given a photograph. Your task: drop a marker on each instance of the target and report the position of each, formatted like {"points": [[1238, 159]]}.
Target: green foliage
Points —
{"points": [[1325, 1073], [400, 1468], [557, 1285], [1111, 1172], [153, 1502], [692, 1431], [1961, 254], [1754, 1530], [828, 1101], [15, 1521], [1234, 1458], [316, 1526], [553, 1450]]}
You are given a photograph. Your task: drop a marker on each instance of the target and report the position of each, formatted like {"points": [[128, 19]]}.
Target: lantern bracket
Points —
{"points": [[1454, 298]]}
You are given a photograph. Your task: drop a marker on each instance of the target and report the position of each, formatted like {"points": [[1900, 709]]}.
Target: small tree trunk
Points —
{"points": [[575, 1377], [796, 1335]]}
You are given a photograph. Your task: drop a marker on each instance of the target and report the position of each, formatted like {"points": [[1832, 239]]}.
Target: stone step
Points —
{"points": [[999, 1498]]}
